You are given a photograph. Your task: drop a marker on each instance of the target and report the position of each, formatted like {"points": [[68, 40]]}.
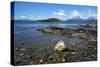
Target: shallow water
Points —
{"points": [[27, 34]]}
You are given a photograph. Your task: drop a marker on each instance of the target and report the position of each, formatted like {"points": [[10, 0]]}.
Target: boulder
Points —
{"points": [[60, 46]]}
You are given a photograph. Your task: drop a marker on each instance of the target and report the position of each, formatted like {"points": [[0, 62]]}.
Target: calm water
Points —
{"points": [[27, 33]]}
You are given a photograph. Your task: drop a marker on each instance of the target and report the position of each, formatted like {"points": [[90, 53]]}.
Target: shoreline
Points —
{"points": [[25, 56]]}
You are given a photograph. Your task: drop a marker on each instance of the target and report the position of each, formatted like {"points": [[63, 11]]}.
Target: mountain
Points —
{"points": [[80, 20], [51, 20]]}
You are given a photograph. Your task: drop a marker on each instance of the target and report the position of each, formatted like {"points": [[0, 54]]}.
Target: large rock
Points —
{"points": [[60, 46]]}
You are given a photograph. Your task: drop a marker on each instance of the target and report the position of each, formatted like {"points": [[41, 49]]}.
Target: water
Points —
{"points": [[28, 34]]}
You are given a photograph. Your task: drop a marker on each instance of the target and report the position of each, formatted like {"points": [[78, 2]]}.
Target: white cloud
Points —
{"points": [[23, 17], [63, 15], [67, 15], [20, 17], [75, 13], [59, 13], [92, 14]]}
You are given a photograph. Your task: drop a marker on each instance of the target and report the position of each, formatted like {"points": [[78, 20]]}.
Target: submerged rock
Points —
{"points": [[60, 46]]}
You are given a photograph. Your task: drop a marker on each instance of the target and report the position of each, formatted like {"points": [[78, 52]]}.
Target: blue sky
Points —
{"points": [[37, 11]]}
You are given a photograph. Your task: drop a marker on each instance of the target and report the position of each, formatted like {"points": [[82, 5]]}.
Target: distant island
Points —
{"points": [[57, 20], [51, 20]]}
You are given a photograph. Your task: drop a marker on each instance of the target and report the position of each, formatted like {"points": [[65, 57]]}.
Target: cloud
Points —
{"points": [[86, 15], [67, 15], [92, 14], [22, 17], [75, 13], [60, 13]]}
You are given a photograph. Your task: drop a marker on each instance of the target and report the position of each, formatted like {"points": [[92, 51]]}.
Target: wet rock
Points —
{"points": [[78, 34], [52, 30], [31, 62], [16, 49], [50, 57], [27, 56], [46, 30], [22, 49], [21, 54], [63, 60], [73, 53], [60, 46]]}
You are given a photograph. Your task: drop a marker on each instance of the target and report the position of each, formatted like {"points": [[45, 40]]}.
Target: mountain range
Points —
{"points": [[80, 20], [69, 21]]}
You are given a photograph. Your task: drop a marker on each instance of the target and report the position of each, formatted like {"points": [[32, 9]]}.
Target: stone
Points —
{"points": [[31, 62], [73, 53], [60, 46], [22, 49], [50, 57], [21, 54], [63, 60], [41, 61]]}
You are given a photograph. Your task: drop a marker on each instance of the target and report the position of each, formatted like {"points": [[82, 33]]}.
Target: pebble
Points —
{"points": [[27, 56], [73, 53], [21, 54], [50, 57], [63, 60], [31, 62], [23, 49]]}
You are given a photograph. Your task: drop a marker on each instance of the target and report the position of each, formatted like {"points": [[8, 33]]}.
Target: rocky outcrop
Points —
{"points": [[81, 33]]}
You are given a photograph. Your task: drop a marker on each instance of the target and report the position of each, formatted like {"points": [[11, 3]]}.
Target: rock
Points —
{"points": [[22, 49], [73, 53], [27, 56], [16, 49], [63, 60], [21, 54], [49, 57], [52, 30], [41, 61], [31, 62], [46, 30], [78, 34], [73, 43], [60, 46]]}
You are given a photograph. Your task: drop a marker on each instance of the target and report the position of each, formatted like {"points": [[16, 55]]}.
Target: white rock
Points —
{"points": [[41, 61], [60, 46]]}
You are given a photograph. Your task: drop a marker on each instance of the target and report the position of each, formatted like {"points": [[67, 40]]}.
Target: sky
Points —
{"points": [[38, 11]]}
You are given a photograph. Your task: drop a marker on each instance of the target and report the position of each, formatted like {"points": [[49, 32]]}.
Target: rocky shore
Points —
{"points": [[24, 56], [85, 33], [67, 55]]}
